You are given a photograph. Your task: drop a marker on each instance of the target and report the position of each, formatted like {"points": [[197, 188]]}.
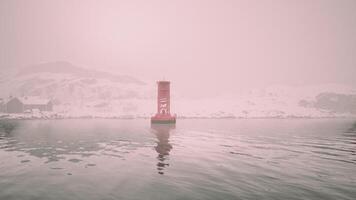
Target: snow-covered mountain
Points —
{"points": [[63, 80], [78, 92]]}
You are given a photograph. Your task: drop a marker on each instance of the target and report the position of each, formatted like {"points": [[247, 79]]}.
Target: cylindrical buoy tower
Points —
{"points": [[163, 115]]}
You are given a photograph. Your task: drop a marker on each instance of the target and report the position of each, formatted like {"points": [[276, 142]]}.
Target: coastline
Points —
{"points": [[56, 116]]}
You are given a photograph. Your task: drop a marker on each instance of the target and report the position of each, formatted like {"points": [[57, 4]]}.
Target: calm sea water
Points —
{"points": [[196, 159]]}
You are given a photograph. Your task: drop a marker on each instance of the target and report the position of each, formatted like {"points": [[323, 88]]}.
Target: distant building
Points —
{"points": [[2, 106], [14, 105], [20, 105]]}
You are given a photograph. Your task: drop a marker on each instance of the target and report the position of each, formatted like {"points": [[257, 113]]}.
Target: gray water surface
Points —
{"points": [[196, 159]]}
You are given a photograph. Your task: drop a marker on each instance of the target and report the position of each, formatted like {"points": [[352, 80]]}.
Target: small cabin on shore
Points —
{"points": [[2, 106], [24, 104]]}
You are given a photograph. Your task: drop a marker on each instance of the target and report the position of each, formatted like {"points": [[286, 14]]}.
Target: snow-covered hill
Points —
{"points": [[76, 90], [276, 102], [79, 92]]}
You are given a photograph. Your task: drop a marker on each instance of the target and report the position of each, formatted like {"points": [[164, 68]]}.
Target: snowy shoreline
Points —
{"points": [[80, 93], [53, 116]]}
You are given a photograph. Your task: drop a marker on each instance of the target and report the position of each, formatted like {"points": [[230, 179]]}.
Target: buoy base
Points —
{"points": [[163, 119]]}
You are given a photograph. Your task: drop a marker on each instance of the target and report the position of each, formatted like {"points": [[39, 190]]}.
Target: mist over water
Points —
{"points": [[264, 93], [207, 47], [243, 59], [197, 159]]}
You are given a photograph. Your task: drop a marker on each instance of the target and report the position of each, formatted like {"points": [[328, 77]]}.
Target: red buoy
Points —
{"points": [[163, 115]]}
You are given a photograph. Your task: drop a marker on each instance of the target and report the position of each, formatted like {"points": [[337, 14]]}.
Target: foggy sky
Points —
{"points": [[205, 47]]}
